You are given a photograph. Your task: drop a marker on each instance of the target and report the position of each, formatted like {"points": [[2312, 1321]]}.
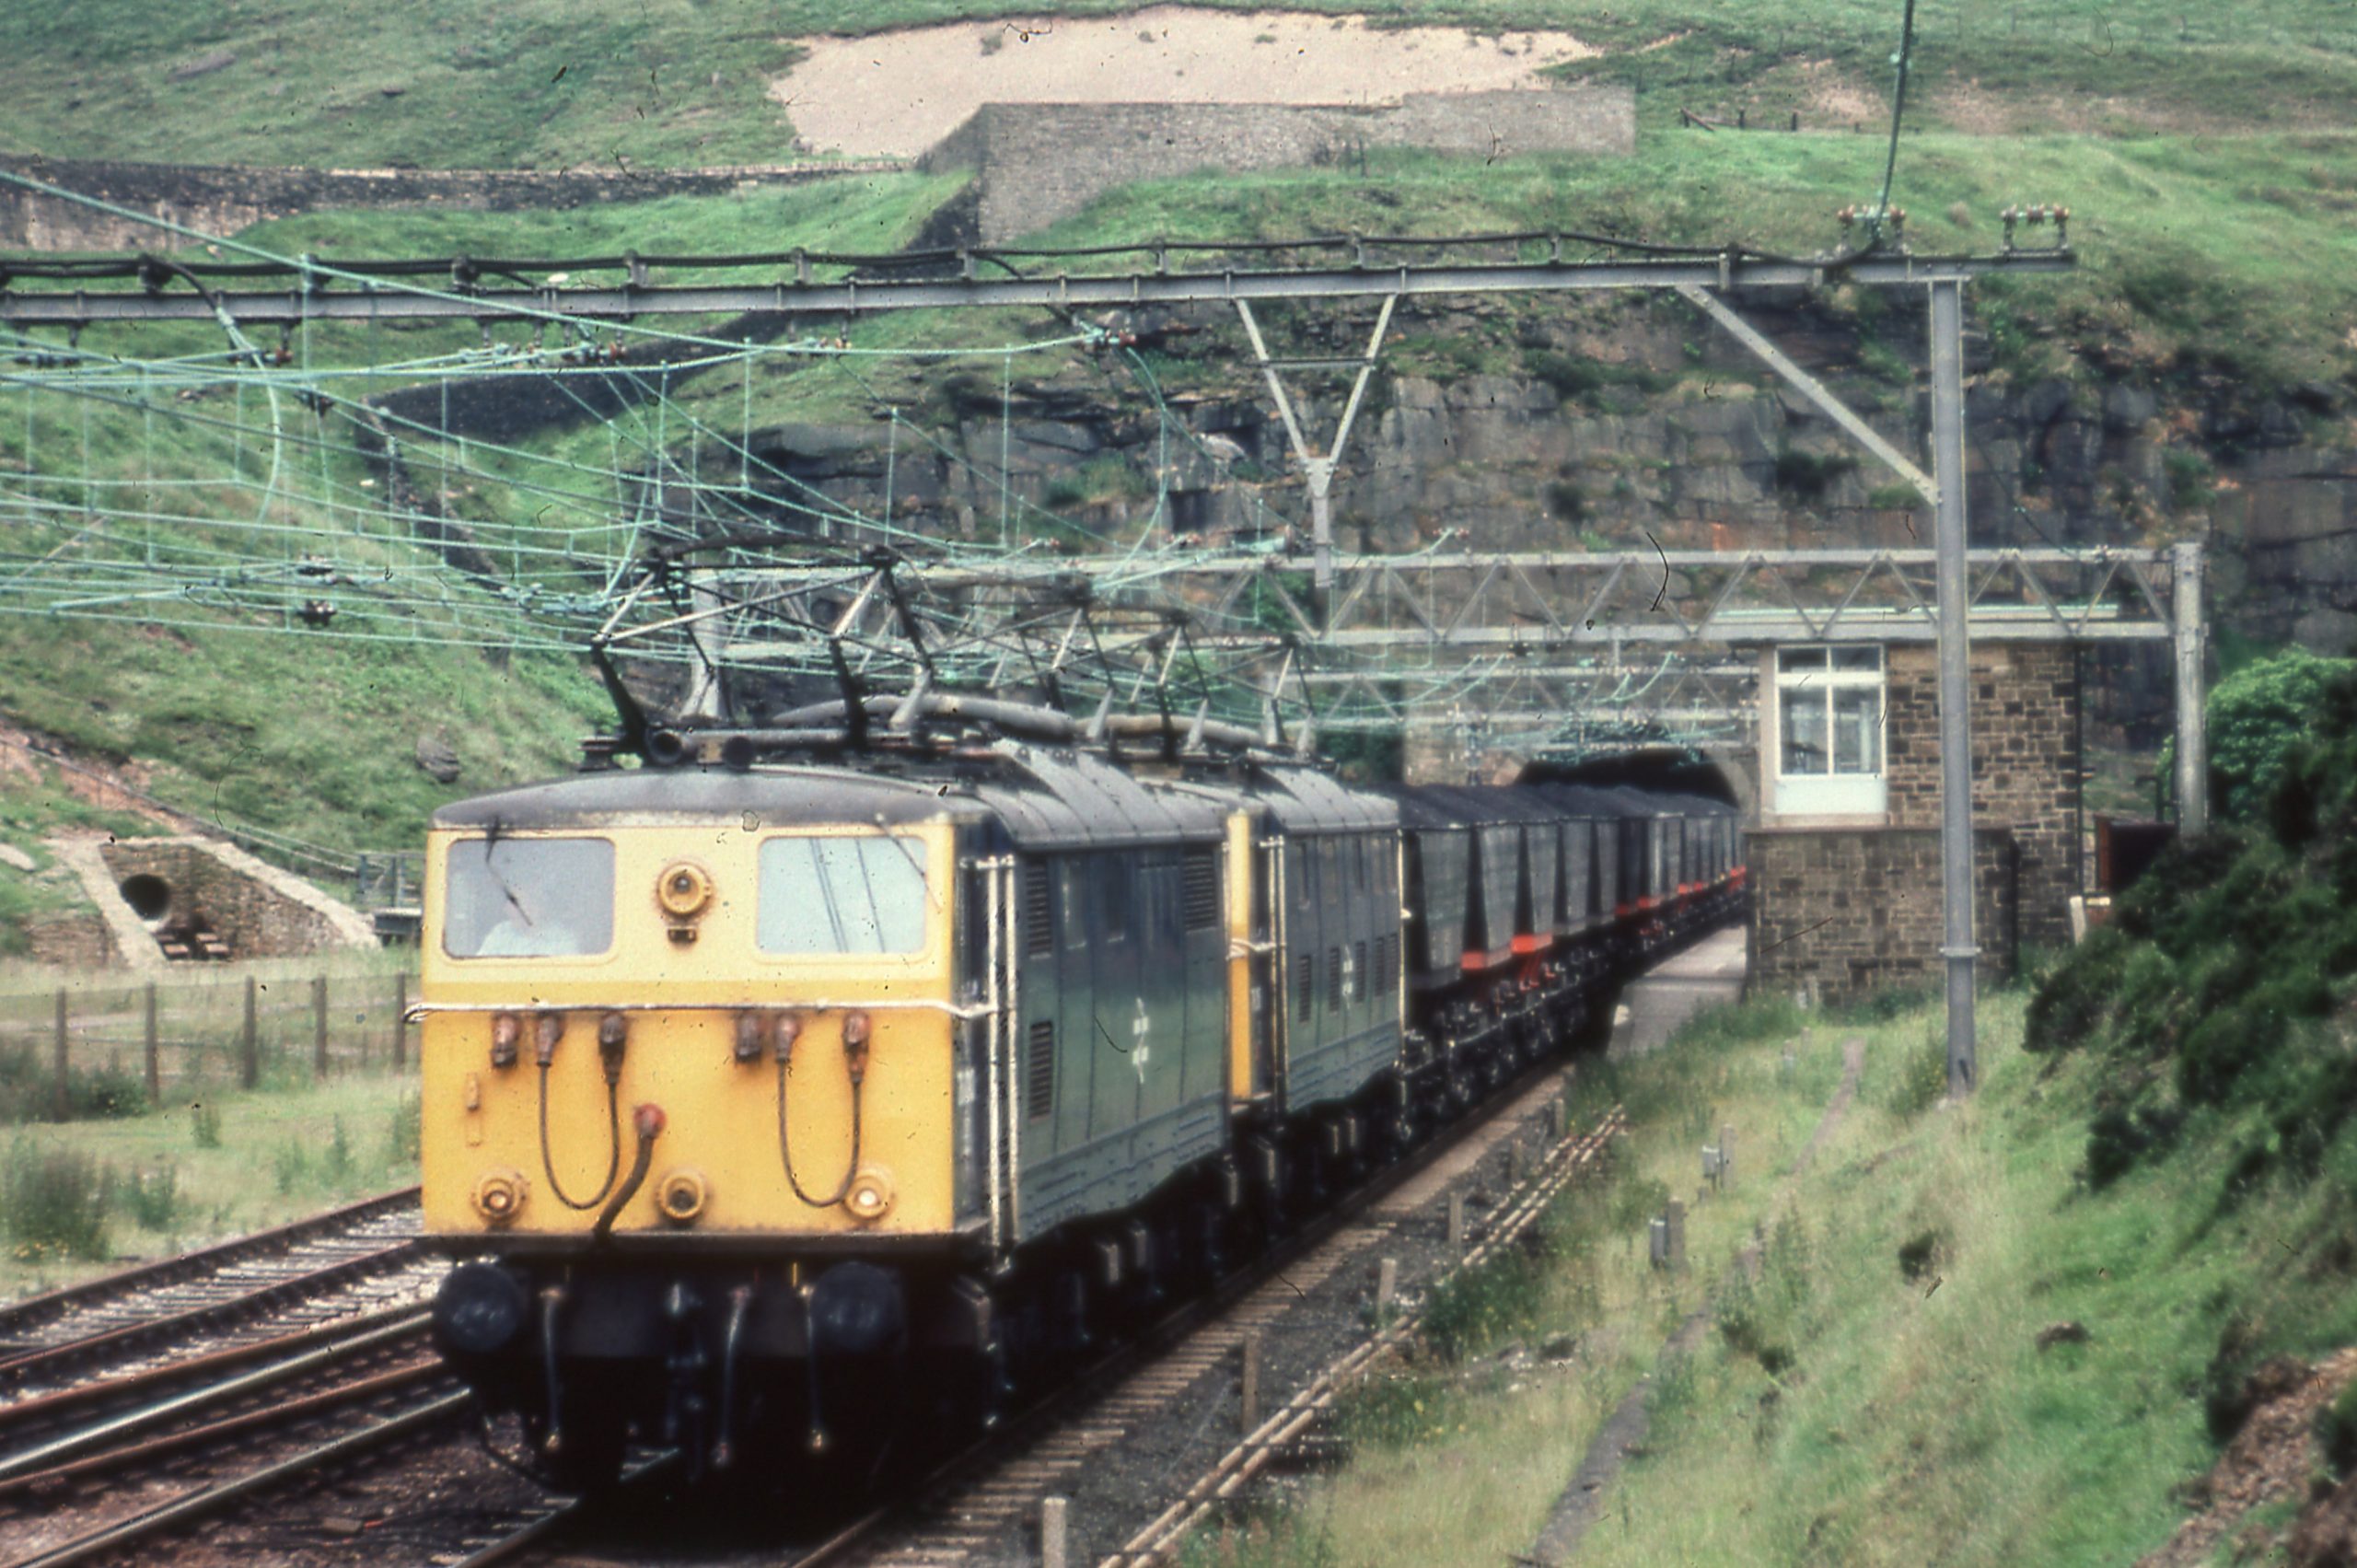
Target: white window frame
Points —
{"points": [[1813, 676]]}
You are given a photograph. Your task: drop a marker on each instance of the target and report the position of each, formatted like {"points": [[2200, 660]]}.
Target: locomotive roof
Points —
{"points": [[775, 795], [1046, 797], [1055, 798], [1303, 799]]}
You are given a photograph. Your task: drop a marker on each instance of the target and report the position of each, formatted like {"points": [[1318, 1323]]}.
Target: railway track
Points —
{"points": [[308, 1275], [149, 1396], [974, 1507]]}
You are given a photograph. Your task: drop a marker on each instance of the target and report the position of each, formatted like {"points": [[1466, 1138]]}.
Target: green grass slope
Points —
{"points": [[676, 83], [1957, 1348]]}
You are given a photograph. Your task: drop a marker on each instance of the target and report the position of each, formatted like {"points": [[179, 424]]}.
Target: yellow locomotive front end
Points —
{"points": [[699, 1106]]}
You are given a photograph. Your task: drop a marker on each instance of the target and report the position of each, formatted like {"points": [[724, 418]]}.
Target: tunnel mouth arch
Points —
{"points": [[149, 896]]}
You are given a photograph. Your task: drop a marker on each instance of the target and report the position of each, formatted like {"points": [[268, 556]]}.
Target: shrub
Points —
{"points": [[108, 1092], [1919, 1075], [1475, 1308], [154, 1198], [2337, 1431], [1566, 500], [1917, 1254], [290, 1167], [55, 1202], [403, 1132], [337, 1162], [2121, 1136], [1807, 476]]}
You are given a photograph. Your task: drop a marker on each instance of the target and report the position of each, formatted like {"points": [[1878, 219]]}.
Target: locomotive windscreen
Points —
{"points": [[512, 898], [842, 895]]}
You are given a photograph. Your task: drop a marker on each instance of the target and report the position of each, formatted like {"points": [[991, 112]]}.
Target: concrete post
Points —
{"points": [[1054, 1532], [60, 1092], [1955, 684], [249, 1043], [1456, 1224], [1248, 1384], [320, 1026], [1387, 1288], [2189, 636], [153, 1040]]}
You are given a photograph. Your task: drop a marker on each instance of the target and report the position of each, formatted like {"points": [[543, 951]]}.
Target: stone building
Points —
{"points": [[1845, 854]]}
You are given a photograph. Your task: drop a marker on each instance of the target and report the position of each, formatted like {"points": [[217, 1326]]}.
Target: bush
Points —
{"points": [[290, 1167], [403, 1132], [2336, 1432], [108, 1093], [1917, 1254], [56, 1204], [2119, 1136], [1475, 1308], [154, 1198], [1920, 1076], [2258, 717]]}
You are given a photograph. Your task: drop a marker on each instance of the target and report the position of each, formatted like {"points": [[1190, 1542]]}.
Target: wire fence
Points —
{"points": [[113, 1046]]}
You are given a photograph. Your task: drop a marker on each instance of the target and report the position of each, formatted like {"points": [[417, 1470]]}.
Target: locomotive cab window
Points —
{"points": [[1830, 728], [527, 898], [823, 896]]}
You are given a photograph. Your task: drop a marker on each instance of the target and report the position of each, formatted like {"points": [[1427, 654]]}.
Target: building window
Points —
{"points": [[1829, 731]]}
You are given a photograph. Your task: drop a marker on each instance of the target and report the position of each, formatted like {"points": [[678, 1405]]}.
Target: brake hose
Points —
{"points": [[856, 1063], [613, 1145]]}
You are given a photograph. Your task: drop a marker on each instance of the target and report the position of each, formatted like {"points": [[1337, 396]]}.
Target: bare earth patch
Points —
{"points": [[896, 93], [2270, 1458], [1833, 96]]}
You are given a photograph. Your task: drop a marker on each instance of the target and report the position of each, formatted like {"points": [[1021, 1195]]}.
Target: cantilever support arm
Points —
{"points": [[1809, 387]]}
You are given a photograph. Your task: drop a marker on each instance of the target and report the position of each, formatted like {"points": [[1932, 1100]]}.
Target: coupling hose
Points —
{"points": [[613, 1147], [648, 1123], [785, 1151]]}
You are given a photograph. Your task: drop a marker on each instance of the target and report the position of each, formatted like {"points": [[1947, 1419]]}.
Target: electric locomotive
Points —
{"points": [[823, 1085]]}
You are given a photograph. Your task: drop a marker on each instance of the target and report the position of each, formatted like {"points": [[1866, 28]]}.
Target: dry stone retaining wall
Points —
{"points": [[222, 199], [1040, 162]]}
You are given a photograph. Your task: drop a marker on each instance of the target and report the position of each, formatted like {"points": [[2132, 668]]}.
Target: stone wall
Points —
{"points": [[258, 910], [222, 199], [1040, 162], [2024, 763], [1853, 908]]}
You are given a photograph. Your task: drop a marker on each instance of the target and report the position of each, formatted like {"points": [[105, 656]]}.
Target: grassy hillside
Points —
{"points": [[556, 83], [1896, 1385], [175, 671]]}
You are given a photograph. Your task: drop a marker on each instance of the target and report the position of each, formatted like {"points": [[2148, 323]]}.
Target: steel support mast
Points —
{"points": [[1956, 944]]}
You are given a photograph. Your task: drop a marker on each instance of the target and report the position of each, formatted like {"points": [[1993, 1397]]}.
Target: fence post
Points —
{"points": [[1456, 1224], [1248, 1389], [61, 1096], [401, 1021], [1054, 1532], [249, 1044], [155, 1052], [320, 1026]]}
